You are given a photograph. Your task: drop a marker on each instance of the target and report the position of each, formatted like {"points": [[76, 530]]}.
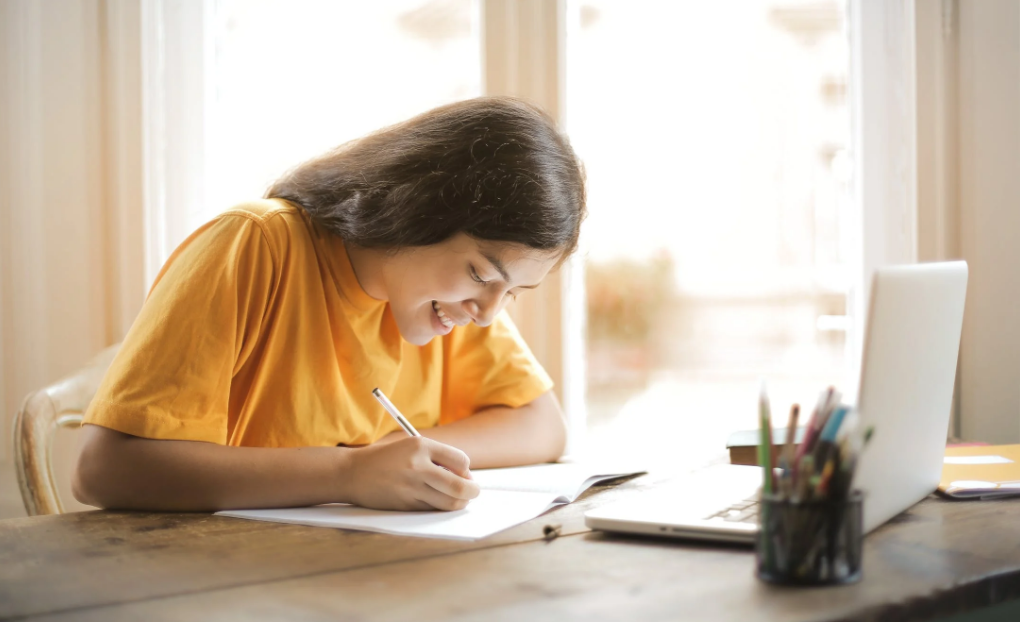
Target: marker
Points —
{"points": [[827, 439], [390, 408]]}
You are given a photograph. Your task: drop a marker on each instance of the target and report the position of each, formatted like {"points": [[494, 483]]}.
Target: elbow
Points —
{"points": [[82, 487], [559, 440], [554, 426], [84, 484], [90, 480]]}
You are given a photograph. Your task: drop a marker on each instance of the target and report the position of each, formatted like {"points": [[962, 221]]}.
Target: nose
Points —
{"points": [[483, 311]]}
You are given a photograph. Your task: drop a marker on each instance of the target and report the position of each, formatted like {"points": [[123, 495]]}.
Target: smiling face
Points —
{"points": [[433, 288]]}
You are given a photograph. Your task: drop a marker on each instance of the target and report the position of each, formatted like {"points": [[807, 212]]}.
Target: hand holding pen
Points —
{"points": [[415, 473]]}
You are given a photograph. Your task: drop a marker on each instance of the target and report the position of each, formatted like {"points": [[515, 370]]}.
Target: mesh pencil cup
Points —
{"points": [[809, 542]]}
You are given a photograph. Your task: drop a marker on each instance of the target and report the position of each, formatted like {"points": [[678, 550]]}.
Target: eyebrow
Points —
{"points": [[498, 265]]}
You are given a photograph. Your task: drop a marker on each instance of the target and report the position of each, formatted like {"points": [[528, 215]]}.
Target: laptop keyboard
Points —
{"points": [[745, 511]]}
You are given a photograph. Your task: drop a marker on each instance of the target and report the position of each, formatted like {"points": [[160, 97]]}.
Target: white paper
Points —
{"points": [[563, 480], [508, 497], [977, 460], [490, 512]]}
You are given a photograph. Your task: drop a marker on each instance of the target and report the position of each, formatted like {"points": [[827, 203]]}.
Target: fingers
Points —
{"points": [[412, 474], [439, 501], [449, 458], [450, 484]]}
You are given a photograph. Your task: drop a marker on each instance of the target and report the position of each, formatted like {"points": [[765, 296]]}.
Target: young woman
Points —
{"points": [[246, 379]]}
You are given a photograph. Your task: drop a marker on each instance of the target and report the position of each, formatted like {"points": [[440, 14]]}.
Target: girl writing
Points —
{"points": [[246, 379]]}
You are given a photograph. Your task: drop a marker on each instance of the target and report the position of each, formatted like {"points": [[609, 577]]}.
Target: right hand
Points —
{"points": [[414, 473]]}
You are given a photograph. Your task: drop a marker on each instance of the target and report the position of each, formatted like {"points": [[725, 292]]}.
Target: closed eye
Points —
{"points": [[476, 278]]}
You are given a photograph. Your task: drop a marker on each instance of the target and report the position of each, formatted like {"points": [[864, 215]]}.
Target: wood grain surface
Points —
{"points": [[87, 559], [934, 560]]}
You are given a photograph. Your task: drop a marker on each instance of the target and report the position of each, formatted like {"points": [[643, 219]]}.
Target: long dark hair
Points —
{"points": [[495, 168]]}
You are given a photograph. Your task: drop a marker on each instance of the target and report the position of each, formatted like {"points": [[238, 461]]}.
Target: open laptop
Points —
{"points": [[906, 391]]}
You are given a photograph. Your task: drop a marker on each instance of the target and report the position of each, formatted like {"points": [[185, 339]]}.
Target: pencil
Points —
{"points": [[806, 469], [791, 432], [823, 479], [765, 441]]}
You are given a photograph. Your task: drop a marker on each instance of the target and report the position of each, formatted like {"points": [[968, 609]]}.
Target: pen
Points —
{"points": [[812, 427], [390, 408], [827, 438]]}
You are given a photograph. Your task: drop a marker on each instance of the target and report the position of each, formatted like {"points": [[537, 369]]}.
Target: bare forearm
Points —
{"points": [[500, 436], [121, 471]]}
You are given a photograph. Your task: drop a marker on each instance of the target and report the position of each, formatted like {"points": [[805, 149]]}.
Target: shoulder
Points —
{"points": [[267, 214], [283, 225]]}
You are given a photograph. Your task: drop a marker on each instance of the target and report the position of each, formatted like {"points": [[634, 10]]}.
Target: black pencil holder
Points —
{"points": [[809, 542]]}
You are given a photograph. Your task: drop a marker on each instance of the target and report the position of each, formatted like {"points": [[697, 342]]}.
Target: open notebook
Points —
{"points": [[508, 497]]}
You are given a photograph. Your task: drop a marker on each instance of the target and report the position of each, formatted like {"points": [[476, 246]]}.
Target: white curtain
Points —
{"points": [[71, 201]]}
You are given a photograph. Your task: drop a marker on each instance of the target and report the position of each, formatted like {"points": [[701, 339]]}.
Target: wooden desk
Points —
{"points": [[937, 559]]}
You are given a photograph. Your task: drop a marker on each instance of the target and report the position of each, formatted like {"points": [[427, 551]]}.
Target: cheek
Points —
{"points": [[451, 289], [417, 300]]}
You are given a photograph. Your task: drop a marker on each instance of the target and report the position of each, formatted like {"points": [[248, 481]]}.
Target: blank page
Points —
{"points": [[490, 512], [567, 480]]}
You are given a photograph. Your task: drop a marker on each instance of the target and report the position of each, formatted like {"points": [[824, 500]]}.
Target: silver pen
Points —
{"points": [[390, 408]]}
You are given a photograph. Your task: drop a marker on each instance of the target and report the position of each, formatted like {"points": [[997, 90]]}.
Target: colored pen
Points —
{"points": [[390, 408], [813, 427], [827, 439], [823, 479]]}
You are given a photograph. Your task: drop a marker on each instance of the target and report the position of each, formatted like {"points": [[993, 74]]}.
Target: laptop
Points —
{"points": [[906, 392]]}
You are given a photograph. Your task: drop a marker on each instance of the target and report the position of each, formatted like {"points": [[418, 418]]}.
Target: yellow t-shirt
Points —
{"points": [[257, 333]]}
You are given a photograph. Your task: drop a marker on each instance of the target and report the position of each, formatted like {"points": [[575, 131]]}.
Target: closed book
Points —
{"points": [[982, 472], [743, 445]]}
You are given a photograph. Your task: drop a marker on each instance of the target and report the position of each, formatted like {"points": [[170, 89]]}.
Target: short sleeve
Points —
{"points": [[171, 378], [489, 366]]}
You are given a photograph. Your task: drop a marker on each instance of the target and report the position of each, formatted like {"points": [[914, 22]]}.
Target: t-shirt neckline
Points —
{"points": [[339, 263]]}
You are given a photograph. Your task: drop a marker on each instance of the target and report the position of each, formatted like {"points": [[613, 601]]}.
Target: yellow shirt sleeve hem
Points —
{"points": [[524, 392], [152, 424]]}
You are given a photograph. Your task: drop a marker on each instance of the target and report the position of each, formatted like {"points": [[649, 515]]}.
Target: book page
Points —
{"points": [[565, 481], [492, 511]]}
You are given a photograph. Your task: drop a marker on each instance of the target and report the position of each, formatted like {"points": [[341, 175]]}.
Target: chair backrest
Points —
{"points": [[62, 404]]}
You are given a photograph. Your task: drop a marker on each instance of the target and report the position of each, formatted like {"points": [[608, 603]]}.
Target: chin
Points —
{"points": [[414, 330], [418, 340], [415, 336]]}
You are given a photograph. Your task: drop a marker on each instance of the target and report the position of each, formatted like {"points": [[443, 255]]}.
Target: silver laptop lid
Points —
{"points": [[907, 374]]}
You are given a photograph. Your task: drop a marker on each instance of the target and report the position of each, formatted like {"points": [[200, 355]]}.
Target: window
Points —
{"points": [[731, 223], [328, 72], [715, 137]]}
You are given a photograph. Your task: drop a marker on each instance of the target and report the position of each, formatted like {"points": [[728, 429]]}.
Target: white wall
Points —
{"points": [[989, 197]]}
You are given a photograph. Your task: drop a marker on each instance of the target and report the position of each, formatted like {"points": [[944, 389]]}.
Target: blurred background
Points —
{"points": [[715, 137], [748, 162], [715, 140]]}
